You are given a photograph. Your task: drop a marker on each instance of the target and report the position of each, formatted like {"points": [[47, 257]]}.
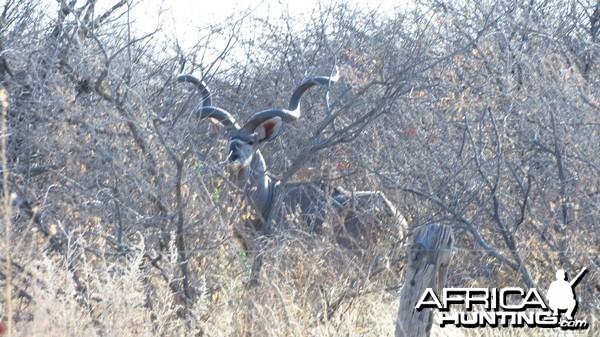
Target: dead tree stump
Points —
{"points": [[428, 261]]}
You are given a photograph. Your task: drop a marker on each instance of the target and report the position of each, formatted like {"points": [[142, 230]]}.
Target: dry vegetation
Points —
{"points": [[118, 214]]}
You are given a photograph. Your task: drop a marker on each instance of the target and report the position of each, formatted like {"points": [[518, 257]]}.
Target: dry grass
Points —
{"points": [[304, 291]]}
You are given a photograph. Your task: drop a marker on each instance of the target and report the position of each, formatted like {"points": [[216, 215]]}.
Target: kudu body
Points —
{"points": [[248, 171], [368, 217]]}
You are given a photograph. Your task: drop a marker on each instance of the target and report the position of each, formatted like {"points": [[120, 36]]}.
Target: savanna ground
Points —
{"points": [[118, 215]]}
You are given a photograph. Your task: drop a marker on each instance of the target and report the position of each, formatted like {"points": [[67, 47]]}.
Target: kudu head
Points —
{"points": [[264, 126]]}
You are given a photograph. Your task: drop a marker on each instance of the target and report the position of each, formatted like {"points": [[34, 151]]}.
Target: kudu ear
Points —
{"points": [[268, 130]]}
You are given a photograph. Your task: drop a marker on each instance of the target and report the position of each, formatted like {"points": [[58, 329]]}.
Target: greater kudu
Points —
{"points": [[248, 171]]}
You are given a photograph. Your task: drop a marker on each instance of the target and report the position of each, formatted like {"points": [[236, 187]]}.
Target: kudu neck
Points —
{"points": [[257, 185]]}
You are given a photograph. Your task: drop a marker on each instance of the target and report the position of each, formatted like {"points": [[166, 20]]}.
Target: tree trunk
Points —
{"points": [[429, 257]]}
